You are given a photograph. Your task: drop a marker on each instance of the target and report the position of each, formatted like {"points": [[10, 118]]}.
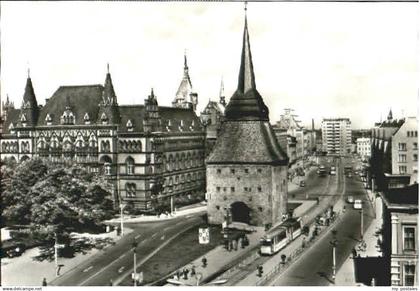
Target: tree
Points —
{"points": [[54, 200]]}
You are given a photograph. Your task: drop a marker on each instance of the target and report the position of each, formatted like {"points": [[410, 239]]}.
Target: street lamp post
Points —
{"points": [[361, 224], [56, 254], [122, 206], [334, 246], [135, 261]]}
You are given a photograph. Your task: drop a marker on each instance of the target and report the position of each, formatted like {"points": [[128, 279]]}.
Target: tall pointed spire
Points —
{"points": [[109, 93], [246, 80], [390, 115], [222, 93], [246, 103]]}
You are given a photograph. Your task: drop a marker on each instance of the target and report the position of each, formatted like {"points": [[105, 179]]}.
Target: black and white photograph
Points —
{"points": [[209, 143]]}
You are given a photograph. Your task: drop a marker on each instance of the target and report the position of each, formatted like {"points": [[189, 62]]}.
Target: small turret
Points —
{"points": [[389, 118], [109, 112], [151, 120], [29, 110], [222, 100]]}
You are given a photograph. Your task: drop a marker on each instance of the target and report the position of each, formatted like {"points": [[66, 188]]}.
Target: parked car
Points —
{"points": [[302, 184], [12, 249], [350, 199], [357, 204]]}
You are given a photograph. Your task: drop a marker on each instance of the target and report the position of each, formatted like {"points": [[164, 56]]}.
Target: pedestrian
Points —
{"points": [[193, 271], [204, 261], [354, 252], [235, 244], [44, 282], [110, 282]]}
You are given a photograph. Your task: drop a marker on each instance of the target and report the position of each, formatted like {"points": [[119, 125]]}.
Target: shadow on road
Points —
{"points": [[325, 276]]}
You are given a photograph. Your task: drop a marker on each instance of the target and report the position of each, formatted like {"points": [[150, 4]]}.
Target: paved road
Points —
{"points": [[116, 262], [314, 268]]}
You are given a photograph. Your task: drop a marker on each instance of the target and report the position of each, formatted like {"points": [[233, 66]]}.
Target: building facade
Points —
{"points": [[247, 169], [148, 152], [363, 147], [212, 117], [400, 235], [404, 149], [336, 136], [394, 153]]}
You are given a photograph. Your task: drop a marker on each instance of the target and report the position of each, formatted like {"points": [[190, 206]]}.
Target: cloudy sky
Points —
{"points": [[351, 60]]}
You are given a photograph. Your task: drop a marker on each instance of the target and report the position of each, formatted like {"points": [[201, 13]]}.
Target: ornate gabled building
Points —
{"points": [[148, 151], [212, 117], [185, 96], [247, 169]]}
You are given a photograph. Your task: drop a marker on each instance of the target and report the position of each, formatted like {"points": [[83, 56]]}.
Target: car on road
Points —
{"points": [[302, 184], [350, 199], [349, 175], [357, 204]]}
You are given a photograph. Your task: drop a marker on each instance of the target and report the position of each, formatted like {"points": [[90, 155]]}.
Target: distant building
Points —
{"points": [[247, 169], [289, 123], [400, 235], [148, 152], [363, 147], [212, 117], [185, 96], [336, 136]]}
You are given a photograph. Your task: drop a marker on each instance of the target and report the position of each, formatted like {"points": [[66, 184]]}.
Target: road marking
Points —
{"points": [[100, 271], [87, 269], [120, 270], [137, 236], [145, 259]]}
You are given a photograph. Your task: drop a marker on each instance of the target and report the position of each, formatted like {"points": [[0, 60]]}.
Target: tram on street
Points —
{"points": [[278, 237]]}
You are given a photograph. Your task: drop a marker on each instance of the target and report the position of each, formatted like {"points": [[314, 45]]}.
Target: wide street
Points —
{"points": [[116, 262], [314, 267]]}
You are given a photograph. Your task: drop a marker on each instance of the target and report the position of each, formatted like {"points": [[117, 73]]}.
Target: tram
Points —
{"points": [[278, 237]]}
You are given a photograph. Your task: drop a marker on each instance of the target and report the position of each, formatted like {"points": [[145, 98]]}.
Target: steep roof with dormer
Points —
{"points": [[80, 100]]}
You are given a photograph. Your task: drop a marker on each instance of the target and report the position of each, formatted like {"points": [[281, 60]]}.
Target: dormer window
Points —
{"points": [[67, 117], [104, 118], [23, 118], [129, 125], [86, 118], [48, 119]]}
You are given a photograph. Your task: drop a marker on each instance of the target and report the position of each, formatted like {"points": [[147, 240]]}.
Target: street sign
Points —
{"points": [[137, 276], [203, 235]]}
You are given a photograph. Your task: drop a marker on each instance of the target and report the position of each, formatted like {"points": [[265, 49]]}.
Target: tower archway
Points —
{"points": [[240, 212]]}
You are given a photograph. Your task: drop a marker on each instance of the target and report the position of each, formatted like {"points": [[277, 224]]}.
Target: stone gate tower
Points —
{"points": [[247, 169]]}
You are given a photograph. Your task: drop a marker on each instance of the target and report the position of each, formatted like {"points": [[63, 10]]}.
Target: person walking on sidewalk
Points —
{"points": [[44, 282]]}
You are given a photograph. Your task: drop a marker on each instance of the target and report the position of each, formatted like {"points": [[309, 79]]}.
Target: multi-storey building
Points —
{"points": [[394, 149], [400, 235], [405, 150], [363, 147], [247, 169], [148, 152], [336, 136]]}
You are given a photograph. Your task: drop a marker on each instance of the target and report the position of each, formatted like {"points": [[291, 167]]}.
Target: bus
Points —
{"points": [[278, 237]]}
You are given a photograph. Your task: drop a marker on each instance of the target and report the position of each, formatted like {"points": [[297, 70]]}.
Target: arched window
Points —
{"points": [[129, 162], [130, 190], [176, 162], [107, 169]]}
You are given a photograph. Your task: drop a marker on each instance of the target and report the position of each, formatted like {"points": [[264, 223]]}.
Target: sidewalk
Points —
{"points": [[150, 218], [346, 274], [218, 258], [24, 271]]}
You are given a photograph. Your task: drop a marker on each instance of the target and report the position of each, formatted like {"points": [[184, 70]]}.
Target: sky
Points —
{"points": [[354, 60]]}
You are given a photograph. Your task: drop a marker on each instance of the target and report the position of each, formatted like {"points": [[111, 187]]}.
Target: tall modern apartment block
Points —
{"points": [[336, 136]]}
